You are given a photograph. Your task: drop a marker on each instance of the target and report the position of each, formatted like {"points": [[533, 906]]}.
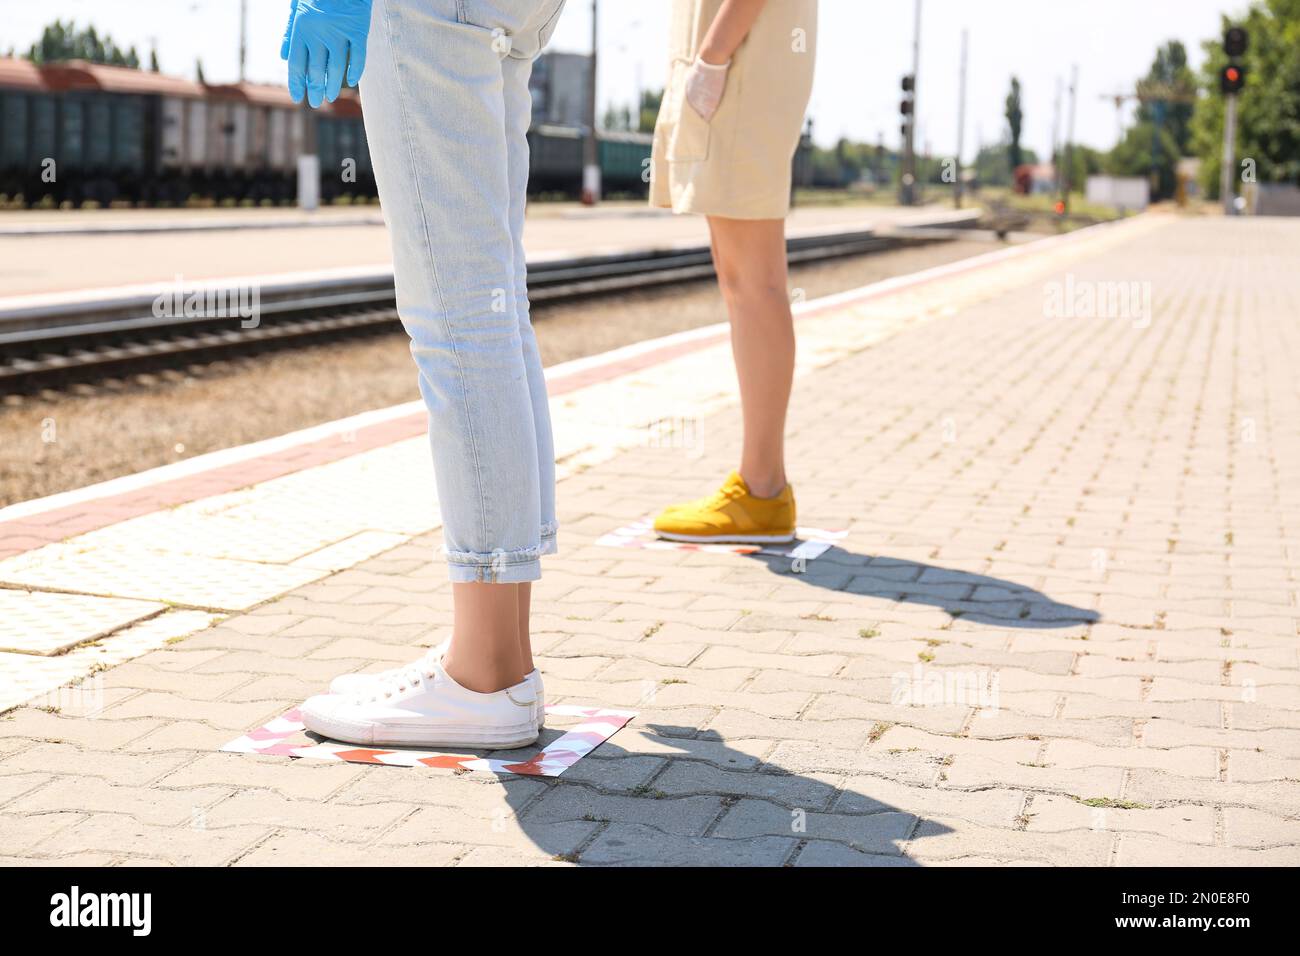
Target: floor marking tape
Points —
{"points": [[285, 736]]}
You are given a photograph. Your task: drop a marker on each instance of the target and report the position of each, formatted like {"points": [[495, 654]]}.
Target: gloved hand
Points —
{"points": [[325, 37], [288, 30], [704, 85]]}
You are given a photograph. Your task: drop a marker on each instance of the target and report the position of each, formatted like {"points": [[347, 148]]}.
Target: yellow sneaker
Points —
{"points": [[731, 515]]}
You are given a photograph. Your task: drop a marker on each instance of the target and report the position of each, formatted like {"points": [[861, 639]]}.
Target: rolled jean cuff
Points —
{"points": [[549, 545], [501, 567]]}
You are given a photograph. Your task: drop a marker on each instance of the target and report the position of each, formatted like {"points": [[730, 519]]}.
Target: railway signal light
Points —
{"points": [[907, 127], [1231, 79], [1235, 41], [907, 106]]}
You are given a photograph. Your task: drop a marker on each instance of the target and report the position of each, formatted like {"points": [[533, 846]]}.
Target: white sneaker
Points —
{"points": [[423, 706], [362, 683]]}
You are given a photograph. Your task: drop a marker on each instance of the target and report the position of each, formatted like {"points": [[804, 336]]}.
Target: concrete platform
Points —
{"points": [[39, 255], [1062, 627]]}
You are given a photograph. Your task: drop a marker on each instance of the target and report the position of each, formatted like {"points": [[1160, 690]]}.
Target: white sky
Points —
{"points": [[865, 46]]}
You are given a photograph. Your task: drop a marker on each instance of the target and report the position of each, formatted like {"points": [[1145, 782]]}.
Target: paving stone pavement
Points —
{"points": [[1062, 628]]}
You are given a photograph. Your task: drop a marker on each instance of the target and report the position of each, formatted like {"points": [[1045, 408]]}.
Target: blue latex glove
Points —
{"points": [[324, 39], [288, 30]]}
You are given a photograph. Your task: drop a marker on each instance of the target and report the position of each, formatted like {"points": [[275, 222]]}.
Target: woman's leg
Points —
{"points": [[484, 653], [444, 99], [749, 256], [437, 120], [518, 117], [525, 602]]}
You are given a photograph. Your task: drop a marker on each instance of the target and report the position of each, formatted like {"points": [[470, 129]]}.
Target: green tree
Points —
{"points": [[1015, 122], [1149, 150], [1162, 129], [993, 163], [153, 62], [617, 118], [1084, 162], [1268, 108], [1169, 91], [649, 113], [198, 70], [61, 41]]}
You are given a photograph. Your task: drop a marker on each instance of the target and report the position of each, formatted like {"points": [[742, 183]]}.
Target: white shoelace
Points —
{"points": [[401, 679]]}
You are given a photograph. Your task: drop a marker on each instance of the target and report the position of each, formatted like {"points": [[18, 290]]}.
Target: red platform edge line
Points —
{"points": [[19, 535]]}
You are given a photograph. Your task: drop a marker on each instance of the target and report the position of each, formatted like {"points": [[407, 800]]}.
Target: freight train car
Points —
{"points": [[343, 151], [78, 132], [27, 126], [556, 161], [625, 162], [258, 133]]}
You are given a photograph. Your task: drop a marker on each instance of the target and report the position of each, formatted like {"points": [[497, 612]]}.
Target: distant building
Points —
{"points": [[1123, 193], [1272, 199], [559, 89], [1035, 179]]}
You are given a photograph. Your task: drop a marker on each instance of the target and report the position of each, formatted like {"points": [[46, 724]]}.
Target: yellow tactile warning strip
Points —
{"points": [[351, 551], [69, 682], [41, 622], [176, 576], [232, 551]]}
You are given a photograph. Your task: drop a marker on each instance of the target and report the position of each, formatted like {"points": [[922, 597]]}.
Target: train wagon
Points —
{"points": [[625, 162], [344, 154], [76, 132], [28, 120], [111, 131], [556, 160], [259, 133], [243, 159]]}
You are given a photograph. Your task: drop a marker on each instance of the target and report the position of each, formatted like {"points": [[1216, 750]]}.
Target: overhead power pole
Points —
{"points": [[1227, 175], [243, 39], [590, 149], [909, 194], [1056, 133], [1067, 180], [961, 117]]}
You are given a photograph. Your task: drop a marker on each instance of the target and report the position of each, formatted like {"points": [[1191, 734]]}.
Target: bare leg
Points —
{"points": [[525, 638], [484, 651], [749, 256]]}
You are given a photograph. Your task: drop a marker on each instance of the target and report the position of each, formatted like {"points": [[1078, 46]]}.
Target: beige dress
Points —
{"points": [[736, 165]]}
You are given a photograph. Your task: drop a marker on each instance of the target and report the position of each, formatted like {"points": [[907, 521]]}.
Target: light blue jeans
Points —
{"points": [[447, 109]]}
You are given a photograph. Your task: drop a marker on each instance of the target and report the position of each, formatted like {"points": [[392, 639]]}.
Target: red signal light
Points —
{"points": [[1232, 78], [1060, 208]]}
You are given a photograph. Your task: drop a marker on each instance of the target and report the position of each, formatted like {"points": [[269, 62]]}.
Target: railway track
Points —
{"points": [[54, 344]]}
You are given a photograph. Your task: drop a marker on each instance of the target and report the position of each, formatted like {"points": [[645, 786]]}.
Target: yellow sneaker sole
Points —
{"points": [[727, 538]]}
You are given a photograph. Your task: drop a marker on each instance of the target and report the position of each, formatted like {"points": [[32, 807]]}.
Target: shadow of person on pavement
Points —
{"points": [[972, 597], [689, 799]]}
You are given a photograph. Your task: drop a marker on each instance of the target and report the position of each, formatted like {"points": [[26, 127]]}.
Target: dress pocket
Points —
{"points": [[689, 140]]}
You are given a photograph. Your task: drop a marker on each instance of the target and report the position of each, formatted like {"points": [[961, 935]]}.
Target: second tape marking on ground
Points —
{"points": [[809, 543]]}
